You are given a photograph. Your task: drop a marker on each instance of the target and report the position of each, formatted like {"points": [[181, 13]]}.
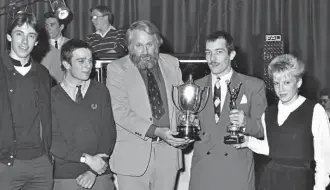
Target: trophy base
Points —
{"points": [[233, 139], [188, 132]]}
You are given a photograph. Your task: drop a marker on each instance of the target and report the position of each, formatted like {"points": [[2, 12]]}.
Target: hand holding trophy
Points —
{"points": [[190, 99], [235, 136]]}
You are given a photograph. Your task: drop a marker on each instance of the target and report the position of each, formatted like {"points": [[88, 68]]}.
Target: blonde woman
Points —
{"points": [[296, 133]]}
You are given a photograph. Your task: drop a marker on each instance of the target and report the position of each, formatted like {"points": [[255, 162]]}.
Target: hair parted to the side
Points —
{"points": [[222, 35], [288, 64], [69, 47], [105, 11], [146, 26], [21, 18]]}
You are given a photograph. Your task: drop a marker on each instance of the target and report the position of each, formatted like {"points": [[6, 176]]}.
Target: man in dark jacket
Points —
{"points": [[25, 120], [84, 131]]}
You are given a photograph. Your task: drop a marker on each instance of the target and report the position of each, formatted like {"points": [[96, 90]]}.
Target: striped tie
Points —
{"points": [[217, 100]]}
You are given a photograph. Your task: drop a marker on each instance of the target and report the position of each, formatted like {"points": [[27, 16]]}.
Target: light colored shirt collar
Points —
{"points": [[59, 40], [23, 70], [292, 106], [224, 78], [110, 28], [71, 89]]}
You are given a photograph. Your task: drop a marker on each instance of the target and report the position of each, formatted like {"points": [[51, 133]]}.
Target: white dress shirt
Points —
{"points": [[223, 85], [321, 134], [60, 41], [71, 89], [23, 70]]}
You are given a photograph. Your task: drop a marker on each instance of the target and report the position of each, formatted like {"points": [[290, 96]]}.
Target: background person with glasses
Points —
{"points": [[106, 39], [325, 100]]}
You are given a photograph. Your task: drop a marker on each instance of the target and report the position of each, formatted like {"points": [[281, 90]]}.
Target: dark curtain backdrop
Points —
{"points": [[185, 23]]}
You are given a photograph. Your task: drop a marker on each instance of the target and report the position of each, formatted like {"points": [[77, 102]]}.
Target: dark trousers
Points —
{"points": [[35, 174], [104, 182]]}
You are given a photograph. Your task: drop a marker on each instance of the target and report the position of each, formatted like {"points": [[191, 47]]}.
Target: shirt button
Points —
{"points": [[11, 90], [14, 73], [226, 154], [9, 164], [11, 156]]}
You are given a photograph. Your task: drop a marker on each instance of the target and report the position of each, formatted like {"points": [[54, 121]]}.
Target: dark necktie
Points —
{"points": [[79, 96], [56, 45], [217, 100], [155, 98]]}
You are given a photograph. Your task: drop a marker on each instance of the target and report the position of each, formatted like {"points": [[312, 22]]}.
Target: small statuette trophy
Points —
{"points": [[190, 99], [235, 136]]}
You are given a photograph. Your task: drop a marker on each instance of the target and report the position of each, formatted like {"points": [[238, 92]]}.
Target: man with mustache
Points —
{"points": [[146, 155], [216, 165]]}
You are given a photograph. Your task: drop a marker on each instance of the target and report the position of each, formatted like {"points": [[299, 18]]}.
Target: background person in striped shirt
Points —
{"points": [[106, 39]]}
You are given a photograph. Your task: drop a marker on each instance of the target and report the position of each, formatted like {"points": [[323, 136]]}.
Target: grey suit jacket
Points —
{"points": [[133, 116], [216, 165]]}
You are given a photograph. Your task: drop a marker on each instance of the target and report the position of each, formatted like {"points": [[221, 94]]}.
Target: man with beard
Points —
{"points": [[84, 131], [106, 39], [146, 154], [25, 127], [216, 165]]}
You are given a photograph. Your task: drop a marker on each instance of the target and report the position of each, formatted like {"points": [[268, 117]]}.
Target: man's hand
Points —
{"points": [[237, 118], [167, 135], [96, 162], [244, 144], [86, 180]]}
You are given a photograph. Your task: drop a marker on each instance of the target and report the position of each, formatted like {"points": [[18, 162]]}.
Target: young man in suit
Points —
{"points": [[146, 154], [214, 163], [84, 131], [54, 27], [26, 126]]}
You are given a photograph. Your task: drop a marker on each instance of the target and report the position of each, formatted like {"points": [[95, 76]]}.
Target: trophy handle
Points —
{"points": [[203, 103], [173, 99]]}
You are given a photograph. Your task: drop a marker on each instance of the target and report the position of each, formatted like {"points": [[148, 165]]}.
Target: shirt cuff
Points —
{"points": [[151, 131]]}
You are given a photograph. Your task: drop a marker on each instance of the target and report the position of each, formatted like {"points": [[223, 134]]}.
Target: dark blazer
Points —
{"points": [[7, 132], [216, 165]]}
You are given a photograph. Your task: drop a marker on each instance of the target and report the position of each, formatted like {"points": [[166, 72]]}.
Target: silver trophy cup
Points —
{"points": [[235, 136], [190, 99]]}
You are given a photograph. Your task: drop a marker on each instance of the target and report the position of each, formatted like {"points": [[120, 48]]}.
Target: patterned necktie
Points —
{"points": [[79, 96], [56, 45], [155, 98], [217, 100]]}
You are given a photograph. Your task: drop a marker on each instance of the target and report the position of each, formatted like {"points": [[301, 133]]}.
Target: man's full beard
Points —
{"points": [[144, 61]]}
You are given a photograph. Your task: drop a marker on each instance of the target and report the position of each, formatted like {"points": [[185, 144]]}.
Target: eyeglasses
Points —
{"points": [[96, 17]]}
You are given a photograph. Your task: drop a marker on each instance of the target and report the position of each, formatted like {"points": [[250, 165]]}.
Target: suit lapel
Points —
{"points": [[208, 112], [134, 81], [169, 79]]}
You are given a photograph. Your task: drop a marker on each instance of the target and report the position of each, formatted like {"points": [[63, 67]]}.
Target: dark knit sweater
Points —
{"points": [[293, 140], [8, 137], [87, 127]]}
